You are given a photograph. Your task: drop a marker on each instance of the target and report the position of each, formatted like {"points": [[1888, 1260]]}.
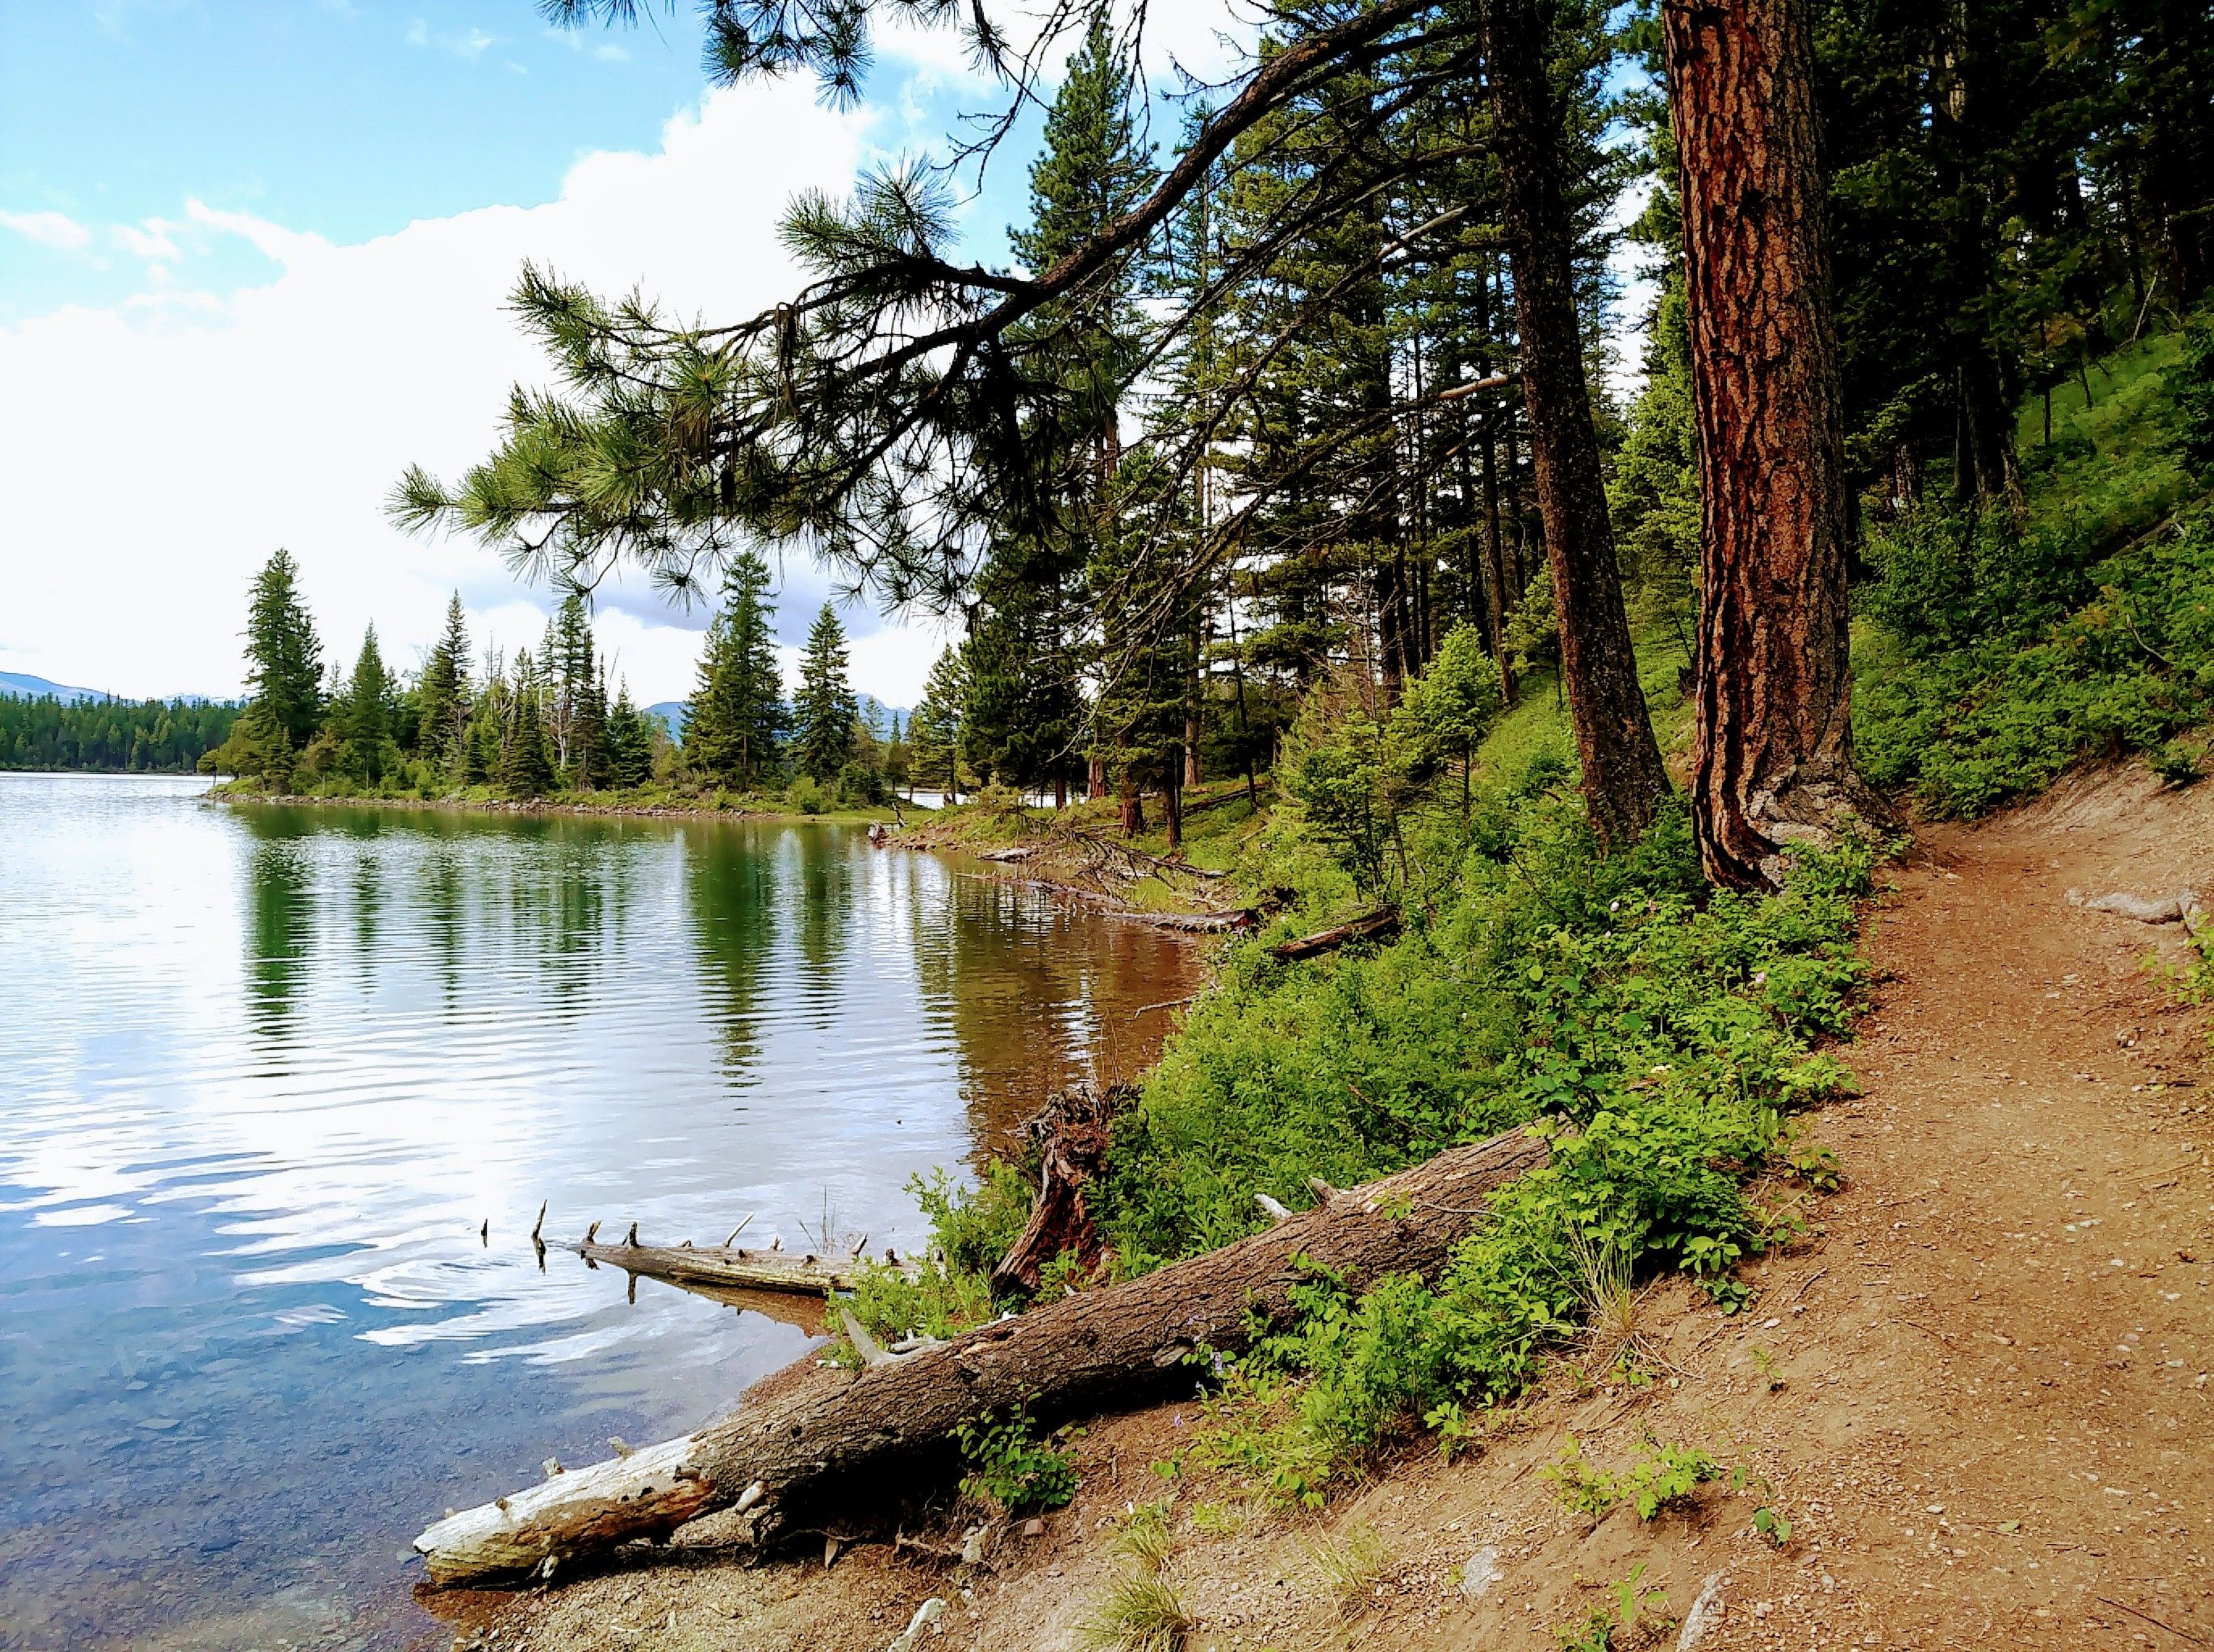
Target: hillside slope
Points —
{"points": [[1978, 1388]]}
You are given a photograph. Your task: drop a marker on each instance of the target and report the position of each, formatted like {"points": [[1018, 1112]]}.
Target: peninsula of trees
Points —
{"points": [[545, 724]]}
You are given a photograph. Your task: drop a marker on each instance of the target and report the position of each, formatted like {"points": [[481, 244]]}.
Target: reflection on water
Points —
{"points": [[266, 1073]]}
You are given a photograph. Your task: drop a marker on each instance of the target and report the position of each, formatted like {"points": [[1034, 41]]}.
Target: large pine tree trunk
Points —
{"points": [[1623, 781], [1775, 735]]}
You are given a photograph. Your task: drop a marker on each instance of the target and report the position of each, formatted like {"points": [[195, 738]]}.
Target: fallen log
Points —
{"points": [[1191, 922], [742, 1268], [836, 1433], [1072, 1135], [1380, 925]]}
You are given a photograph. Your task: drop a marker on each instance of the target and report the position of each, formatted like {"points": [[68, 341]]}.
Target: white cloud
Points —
{"points": [[611, 53], [150, 239], [469, 42], [54, 229], [281, 415]]}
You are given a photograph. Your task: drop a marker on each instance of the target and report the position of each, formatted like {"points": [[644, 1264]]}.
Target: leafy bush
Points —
{"points": [[1009, 1463], [804, 796], [2194, 394], [948, 1290]]}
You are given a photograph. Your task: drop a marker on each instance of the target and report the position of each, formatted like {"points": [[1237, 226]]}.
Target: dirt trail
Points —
{"points": [[1978, 1389]]}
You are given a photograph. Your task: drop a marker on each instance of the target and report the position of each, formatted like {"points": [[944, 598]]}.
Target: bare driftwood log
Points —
{"points": [[754, 1269], [1379, 925], [1192, 923], [821, 1438], [1072, 1134]]}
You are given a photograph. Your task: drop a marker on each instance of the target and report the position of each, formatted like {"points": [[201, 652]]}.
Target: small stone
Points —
{"points": [[1033, 1527]]}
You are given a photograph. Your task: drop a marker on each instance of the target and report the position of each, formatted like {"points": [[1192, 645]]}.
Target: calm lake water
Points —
{"points": [[265, 1072]]}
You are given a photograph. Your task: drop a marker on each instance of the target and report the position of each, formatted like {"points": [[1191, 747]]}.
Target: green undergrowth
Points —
{"points": [[1992, 653], [1661, 1037], [1660, 1033]]}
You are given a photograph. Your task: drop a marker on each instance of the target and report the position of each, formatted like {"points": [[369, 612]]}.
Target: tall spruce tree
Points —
{"points": [[361, 718], [577, 713], [526, 763], [933, 728], [1022, 722], [629, 743], [823, 713], [443, 691], [285, 671], [736, 723]]}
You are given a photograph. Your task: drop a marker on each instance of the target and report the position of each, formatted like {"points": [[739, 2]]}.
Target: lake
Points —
{"points": [[282, 1090]]}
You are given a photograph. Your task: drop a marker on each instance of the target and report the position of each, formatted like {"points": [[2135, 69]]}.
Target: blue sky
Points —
{"points": [[348, 120], [278, 234]]}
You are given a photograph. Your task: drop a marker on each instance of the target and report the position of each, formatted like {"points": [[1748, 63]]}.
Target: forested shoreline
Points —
{"points": [[111, 736], [544, 728]]}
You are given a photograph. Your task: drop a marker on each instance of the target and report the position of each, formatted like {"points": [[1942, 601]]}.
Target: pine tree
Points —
{"points": [[361, 720], [824, 712], [477, 761], [526, 766], [933, 728], [285, 668], [579, 713], [736, 721], [1023, 662], [629, 743], [443, 691]]}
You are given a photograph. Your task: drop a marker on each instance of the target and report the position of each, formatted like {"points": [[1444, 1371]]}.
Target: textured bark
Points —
{"points": [[1775, 734], [1623, 781], [1072, 1134], [1379, 925], [836, 1436]]}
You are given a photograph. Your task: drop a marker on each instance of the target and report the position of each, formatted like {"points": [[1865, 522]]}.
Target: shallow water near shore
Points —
{"points": [[267, 1073]]}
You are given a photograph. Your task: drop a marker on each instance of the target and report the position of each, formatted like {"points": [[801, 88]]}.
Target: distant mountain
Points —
{"points": [[32, 688], [671, 713]]}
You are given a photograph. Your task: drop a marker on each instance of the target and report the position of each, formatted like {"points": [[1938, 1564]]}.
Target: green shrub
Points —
{"points": [[1998, 652], [949, 1289], [1008, 1463]]}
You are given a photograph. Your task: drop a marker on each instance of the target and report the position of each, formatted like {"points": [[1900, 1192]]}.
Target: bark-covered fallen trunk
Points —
{"points": [[1380, 925], [814, 1443]]}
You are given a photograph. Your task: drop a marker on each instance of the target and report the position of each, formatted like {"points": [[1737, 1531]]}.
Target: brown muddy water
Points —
{"points": [[266, 1073]]}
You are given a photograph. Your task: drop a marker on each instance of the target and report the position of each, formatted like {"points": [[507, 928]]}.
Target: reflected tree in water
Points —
{"points": [[280, 930], [1039, 995], [731, 889]]}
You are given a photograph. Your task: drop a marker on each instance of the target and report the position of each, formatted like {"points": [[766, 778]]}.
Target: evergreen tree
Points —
{"points": [[284, 668], [629, 743], [933, 728], [361, 719], [477, 762], [577, 708], [736, 721], [526, 765], [443, 692], [1023, 660], [824, 712]]}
